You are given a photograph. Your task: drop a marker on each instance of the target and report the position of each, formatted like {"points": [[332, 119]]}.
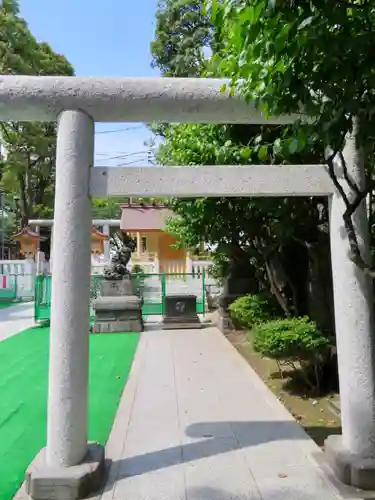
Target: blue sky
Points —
{"points": [[101, 39]]}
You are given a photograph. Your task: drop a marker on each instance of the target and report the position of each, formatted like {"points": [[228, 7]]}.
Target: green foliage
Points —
{"points": [[220, 267], [296, 339], [280, 55], [201, 145], [8, 226], [250, 310], [297, 343], [255, 229], [182, 32], [106, 208], [227, 220], [28, 169]]}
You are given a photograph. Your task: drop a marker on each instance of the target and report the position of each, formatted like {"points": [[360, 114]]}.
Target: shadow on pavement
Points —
{"points": [[215, 438]]}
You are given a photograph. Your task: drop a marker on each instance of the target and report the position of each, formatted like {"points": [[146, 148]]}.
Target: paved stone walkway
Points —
{"points": [[16, 318], [196, 423]]}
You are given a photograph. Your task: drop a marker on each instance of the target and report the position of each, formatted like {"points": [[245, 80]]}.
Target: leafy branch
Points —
{"points": [[281, 59]]}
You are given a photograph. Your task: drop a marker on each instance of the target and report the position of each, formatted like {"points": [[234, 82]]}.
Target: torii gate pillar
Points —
{"points": [[68, 463], [352, 455]]}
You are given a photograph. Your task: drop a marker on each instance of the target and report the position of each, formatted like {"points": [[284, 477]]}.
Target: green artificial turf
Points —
{"points": [[23, 396]]}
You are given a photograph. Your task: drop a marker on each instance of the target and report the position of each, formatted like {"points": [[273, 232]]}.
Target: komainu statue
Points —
{"points": [[124, 246]]}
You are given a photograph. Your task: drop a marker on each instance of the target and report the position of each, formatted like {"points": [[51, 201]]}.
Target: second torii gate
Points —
{"points": [[68, 463], [106, 224]]}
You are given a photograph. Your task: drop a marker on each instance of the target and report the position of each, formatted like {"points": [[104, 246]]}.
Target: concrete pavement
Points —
{"points": [[196, 423], [16, 318]]}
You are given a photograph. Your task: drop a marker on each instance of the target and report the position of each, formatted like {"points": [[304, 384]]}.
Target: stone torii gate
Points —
{"points": [[69, 467]]}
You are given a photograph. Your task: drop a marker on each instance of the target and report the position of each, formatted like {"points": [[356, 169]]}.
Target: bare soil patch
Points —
{"points": [[313, 413]]}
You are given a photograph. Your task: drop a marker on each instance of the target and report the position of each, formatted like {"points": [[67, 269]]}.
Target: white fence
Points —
{"points": [[18, 273], [16, 267], [97, 268], [199, 266], [25, 272], [23, 267]]}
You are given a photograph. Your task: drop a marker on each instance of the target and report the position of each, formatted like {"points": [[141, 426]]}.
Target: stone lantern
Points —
{"points": [[29, 241], [97, 241]]}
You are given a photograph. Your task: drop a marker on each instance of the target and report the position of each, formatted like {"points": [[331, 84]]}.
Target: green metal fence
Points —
{"points": [[42, 304], [152, 288]]}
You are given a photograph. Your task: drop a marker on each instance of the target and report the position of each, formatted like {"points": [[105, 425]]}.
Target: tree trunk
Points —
{"points": [[319, 286], [294, 260], [24, 207], [277, 281]]}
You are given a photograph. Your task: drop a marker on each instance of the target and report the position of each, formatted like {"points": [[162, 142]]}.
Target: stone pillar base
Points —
{"points": [[177, 323], [348, 468], [224, 322], [66, 483], [128, 326], [115, 314]]}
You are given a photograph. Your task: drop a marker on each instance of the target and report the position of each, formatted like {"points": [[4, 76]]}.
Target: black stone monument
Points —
{"points": [[180, 311]]}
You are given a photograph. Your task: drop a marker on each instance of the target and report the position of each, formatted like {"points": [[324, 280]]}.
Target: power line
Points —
{"points": [[124, 156], [120, 154], [115, 131], [112, 153]]}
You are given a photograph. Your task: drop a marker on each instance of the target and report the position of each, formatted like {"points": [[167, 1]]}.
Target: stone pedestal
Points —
{"points": [[117, 309], [180, 311], [66, 483], [351, 469], [224, 323]]}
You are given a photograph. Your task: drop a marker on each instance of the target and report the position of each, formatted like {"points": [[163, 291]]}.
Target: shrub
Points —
{"points": [[296, 342], [296, 338], [137, 269], [250, 310]]}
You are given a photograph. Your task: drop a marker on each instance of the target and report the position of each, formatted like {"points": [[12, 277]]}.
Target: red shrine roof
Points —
{"points": [[144, 217], [27, 232]]}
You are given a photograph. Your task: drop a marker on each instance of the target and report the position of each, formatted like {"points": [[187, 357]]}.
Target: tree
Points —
{"points": [[27, 170], [183, 32], [314, 57], [183, 36], [278, 241]]}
